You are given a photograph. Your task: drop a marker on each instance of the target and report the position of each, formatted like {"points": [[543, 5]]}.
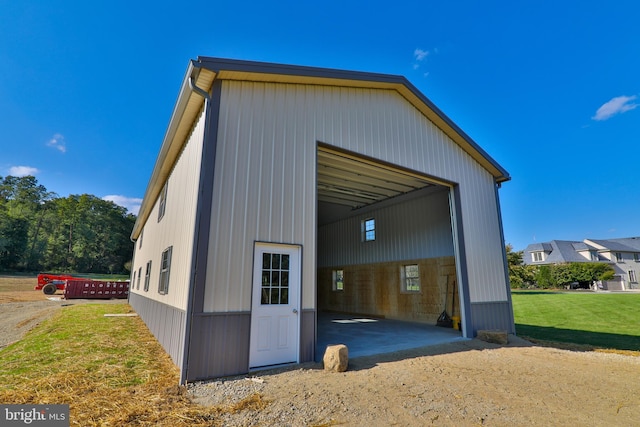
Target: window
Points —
{"points": [[618, 257], [368, 227], [537, 256], [139, 276], [165, 267], [410, 278], [163, 201], [133, 282], [275, 278], [147, 277], [140, 239], [594, 255], [632, 276], [636, 257], [338, 280]]}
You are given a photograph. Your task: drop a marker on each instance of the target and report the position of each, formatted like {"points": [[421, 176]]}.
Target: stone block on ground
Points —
{"points": [[336, 358], [493, 336]]}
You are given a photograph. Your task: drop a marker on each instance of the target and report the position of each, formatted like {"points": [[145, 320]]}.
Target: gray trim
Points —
{"points": [[165, 322], [504, 258], [308, 335], [197, 284], [219, 64], [219, 345], [461, 262], [492, 315]]}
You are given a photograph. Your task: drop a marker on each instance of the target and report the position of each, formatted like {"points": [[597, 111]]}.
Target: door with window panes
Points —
{"points": [[275, 306]]}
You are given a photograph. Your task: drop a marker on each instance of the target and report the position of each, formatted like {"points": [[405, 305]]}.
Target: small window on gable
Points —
{"points": [[537, 256], [165, 268], [140, 239], [368, 228], [618, 257], [410, 278], [338, 280], [163, 201], [139, 276], [147, 277]]}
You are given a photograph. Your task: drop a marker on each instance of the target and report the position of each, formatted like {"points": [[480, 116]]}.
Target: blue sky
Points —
{"points": [[549, 89]]}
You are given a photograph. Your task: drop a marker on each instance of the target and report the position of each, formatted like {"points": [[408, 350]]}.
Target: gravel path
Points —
{"points": [[467, 383]]}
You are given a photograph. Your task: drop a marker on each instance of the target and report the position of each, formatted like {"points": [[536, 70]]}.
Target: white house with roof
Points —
{"points": [[622, 254], [281, 191]]}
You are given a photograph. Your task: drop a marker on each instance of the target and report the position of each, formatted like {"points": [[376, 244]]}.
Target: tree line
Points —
{"points": [[554, 276], [40, 231]]}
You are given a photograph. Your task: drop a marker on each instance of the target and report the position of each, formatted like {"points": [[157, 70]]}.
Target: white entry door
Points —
{"points": [[275, 306]]}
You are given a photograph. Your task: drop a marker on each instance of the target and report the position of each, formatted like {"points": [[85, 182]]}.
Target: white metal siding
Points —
{"points": [[264, 185], [415, 229], [176, 227]]}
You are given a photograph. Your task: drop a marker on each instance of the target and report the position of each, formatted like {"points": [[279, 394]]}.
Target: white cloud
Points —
{"points": [[21, 171], [420, 54], [617, 105], [58, 142], [131, 203]]}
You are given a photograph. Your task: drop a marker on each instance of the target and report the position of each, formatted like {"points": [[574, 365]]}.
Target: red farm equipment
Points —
{"points": [[82, 287]]}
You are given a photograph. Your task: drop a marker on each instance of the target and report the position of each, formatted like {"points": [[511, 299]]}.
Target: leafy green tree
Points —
{"points": [[520, 275], [78, 233]]}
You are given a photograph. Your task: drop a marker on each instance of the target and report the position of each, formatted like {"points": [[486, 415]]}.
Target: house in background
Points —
{"points": [[281, 191], [622, 254]]}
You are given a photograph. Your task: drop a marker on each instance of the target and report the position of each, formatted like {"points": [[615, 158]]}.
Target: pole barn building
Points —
{"points": [[282, 192]]}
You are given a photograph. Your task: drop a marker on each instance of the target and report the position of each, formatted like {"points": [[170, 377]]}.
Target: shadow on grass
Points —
{"points": [[586, 338]]}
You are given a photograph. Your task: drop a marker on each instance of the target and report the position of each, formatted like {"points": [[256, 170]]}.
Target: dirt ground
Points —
{"points": [[466, 383], [22, 308]]}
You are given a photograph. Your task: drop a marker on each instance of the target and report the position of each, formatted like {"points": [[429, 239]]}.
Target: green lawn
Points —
{"points": [[601, 320]]}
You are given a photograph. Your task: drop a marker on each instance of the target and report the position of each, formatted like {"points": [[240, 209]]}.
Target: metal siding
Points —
{"points": [[166, 323], [220, 345], [414, 229], [492, 315], [308, 335], [176, 227], [278, 127]]}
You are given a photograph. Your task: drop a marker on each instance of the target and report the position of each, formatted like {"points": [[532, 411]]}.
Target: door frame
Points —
{"points": [[294, 304]]}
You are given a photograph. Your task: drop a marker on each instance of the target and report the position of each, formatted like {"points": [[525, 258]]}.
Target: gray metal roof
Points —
{"points": [[561, 251]]}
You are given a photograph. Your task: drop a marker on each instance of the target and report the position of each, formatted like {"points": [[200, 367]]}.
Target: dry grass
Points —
{"points": [[111, 371], [579, 347], [19, 289]]}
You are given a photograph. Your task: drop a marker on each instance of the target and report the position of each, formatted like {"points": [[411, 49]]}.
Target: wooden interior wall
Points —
{"points": [[375, 290]]}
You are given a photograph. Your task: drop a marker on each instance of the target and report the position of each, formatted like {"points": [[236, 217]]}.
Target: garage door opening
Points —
{"points": [[386, 265]]}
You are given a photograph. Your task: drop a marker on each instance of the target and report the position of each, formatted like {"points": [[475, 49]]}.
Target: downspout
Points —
{"points": [[192, 282]]}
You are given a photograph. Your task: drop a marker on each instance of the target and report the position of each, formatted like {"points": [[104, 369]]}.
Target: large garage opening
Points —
{"points": [[386, 267]]}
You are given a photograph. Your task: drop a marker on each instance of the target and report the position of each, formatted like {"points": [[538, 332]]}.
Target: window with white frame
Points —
{"points": [[594, 255], [165, 268], [537, 256], [139, 276], [338, 280], [632, 276], [140, 239], [163, 201], [618, 257], [368, 227], [133, 281], [410, 278], [147, 277]]}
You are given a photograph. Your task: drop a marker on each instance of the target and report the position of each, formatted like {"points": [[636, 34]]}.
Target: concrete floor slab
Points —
{"points": [[366, 336]]}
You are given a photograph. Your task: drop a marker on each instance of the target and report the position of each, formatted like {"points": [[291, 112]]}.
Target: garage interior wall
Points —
{"points": [[413, 231]]}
